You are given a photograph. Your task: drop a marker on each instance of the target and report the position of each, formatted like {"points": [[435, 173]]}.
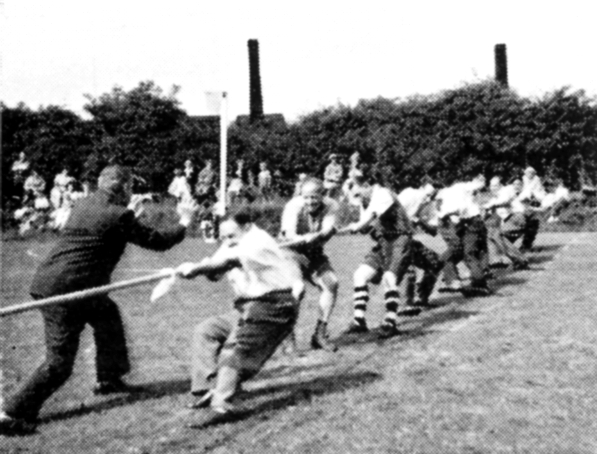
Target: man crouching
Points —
{"points": [[231, 348]]}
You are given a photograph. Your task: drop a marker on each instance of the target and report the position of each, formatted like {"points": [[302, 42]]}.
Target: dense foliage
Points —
{"points": [[478, 128]]}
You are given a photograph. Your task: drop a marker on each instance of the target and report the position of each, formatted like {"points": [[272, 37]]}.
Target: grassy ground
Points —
{"points": [[511, 373]]}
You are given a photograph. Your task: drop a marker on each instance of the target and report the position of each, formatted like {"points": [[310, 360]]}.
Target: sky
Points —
{"points": [[313, 54]]}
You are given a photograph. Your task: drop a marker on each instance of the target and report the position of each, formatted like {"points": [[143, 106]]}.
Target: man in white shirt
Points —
{"points": [[465, 234], [391, 256], [231, 348], [311, 219], [499, 208], [531, 195], [415, 201]]}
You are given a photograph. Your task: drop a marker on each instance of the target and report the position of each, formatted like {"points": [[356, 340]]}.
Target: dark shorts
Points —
{"points": [[313, 264], [393, 255], [514, 224]]}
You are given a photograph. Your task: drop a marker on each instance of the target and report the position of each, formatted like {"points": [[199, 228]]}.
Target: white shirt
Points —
{"points": [[265, 179], [265, 266], [296, 222], [412, 199], [532, 187], [459, 202], [506, 200], [561, 193], [381, 201], [179, 187]]}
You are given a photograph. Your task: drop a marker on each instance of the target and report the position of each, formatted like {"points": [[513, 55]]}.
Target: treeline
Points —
{"points": [[478, 128]]}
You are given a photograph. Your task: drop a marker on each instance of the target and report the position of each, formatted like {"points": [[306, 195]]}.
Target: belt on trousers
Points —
{"points": [[471, 219], [269, 297]]}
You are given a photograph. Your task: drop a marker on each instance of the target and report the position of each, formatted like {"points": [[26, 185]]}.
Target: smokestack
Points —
{"points": [[501, 65], [256, 99]]}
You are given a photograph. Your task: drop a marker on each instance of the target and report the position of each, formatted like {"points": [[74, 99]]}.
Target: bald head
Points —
{"points": [[118, 181], [312, 192]]}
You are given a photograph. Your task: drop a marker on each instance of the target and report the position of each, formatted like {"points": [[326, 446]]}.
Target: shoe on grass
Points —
{"points": [[201, 400], [15, 427], [476, 290], [214, 417], [409, 311], [357, 326], [388, 329], [453, 287], [321, 340], [520, 266], [114, 387]]}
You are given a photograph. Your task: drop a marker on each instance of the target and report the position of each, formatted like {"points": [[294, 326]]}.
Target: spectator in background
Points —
{"points": [[61, 183], [189, 172], [206, 182], [355, 160], [34, 184], [299, 184], [179, 188], [265, 181], [235, 187], [332, 177], [20, 169]]}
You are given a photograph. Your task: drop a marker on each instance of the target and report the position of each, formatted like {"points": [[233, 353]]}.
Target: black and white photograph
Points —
{"points": [[298, 227]]}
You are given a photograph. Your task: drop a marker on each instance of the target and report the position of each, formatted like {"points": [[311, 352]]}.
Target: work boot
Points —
{"points": [[388, 329], [11, 426], [115, 386], [320, 338], [357, 326]]}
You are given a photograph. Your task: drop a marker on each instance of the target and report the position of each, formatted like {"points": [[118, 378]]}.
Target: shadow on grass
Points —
{"points": [[443, 307], [263, 404], [144, 392]]}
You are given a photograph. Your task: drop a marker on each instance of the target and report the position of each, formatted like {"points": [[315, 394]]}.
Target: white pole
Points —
{"points": [[223, 152]]}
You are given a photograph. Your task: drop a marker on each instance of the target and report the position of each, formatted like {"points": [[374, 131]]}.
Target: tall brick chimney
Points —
{"points": [[501, 65], [256, 98]]}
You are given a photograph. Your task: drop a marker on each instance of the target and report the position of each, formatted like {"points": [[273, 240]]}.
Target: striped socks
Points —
{"points": [[391, 298], [361, 298]]}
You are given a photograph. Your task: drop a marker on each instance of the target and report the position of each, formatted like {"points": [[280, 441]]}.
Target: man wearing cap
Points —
{"points": [[92, 242], [332, 177], [311, 219]]}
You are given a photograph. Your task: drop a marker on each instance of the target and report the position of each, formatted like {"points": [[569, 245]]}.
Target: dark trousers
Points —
{"points": [[63, 325], [522, 225], [499, 245], [429, 262], [468, 242]]}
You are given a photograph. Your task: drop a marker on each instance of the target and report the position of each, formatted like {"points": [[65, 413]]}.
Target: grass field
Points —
{"points": [[500, 374]]}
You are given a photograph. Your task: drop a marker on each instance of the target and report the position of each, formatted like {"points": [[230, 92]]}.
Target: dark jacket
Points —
{"points": [[93, 240]]}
